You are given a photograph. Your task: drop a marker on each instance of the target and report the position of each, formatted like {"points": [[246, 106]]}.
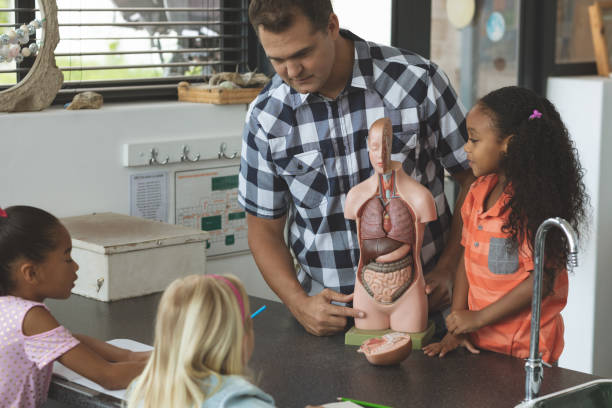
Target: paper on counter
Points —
{"points": [[64, 372]]}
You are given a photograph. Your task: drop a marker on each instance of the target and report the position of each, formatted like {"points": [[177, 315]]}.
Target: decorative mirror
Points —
{"points": [[38, 89]]}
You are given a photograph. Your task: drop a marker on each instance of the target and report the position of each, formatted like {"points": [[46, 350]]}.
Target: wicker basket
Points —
{"points": [[205, 94]]}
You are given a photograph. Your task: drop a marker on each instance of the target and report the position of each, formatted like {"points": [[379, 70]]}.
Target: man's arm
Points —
{"points": [[440, 279], [272, 256]]}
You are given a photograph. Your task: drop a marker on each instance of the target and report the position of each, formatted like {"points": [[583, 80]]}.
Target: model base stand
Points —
{"points": [[355, 336]]}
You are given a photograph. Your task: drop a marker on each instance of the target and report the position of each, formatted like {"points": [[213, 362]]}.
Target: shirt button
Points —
{"points": [[480, 227], [476, 244]]}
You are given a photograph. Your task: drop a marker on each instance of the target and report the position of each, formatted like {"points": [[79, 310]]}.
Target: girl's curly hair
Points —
{"points": [[542, 166]]}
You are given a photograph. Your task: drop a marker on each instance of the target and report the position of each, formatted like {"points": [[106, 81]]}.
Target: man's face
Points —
{"points": [[301, 56]]}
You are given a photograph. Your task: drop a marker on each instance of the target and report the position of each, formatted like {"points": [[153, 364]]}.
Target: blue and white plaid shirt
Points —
{"points": [[302, 153]]}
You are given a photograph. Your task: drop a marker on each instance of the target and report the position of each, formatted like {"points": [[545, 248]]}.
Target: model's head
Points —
{"points": [[380, 139], [203, 330], [298, 37], [35, 254], [533, 149]]}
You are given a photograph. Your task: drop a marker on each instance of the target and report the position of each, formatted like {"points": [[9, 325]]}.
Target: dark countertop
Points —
{"points": [[297, 368]]}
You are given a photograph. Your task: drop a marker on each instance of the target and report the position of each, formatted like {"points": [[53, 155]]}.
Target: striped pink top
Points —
{"points": [[26, 361]]}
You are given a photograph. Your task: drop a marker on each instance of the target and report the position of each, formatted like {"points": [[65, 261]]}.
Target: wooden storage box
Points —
{"points": [[205, 94], [120, 256]]}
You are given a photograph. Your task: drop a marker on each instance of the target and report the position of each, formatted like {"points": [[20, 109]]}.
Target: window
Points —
{"points": [[134, 49], [574, 43]]}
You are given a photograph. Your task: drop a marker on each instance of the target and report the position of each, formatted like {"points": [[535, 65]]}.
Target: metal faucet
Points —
{"points": [[533, 365]]}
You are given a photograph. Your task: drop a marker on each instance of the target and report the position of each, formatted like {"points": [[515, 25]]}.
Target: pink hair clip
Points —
{"points": [[3, 213], [535, 115]]}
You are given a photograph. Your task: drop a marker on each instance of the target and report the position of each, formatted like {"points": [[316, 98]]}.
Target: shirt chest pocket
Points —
{"points": [[503, 259], [404, 145], [306, 178]]}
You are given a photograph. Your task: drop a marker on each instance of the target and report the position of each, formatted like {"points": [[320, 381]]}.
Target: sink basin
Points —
{"points": [[594, 394]]}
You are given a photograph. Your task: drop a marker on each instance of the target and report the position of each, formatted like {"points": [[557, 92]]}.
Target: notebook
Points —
{"points": [[64, 372]]}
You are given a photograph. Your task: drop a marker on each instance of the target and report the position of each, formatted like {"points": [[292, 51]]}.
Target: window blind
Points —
{"points": [[134, 49]]}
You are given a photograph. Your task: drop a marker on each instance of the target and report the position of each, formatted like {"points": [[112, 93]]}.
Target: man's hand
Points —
{"points": [[319, 316], [438, 287], [449, 343], [463, 321]]}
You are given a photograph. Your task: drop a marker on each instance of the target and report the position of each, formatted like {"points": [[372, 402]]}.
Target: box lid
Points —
{"points": [[110, 233]]}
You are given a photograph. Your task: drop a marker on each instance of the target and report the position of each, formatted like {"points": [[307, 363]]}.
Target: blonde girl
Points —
{"points": [[203, 341]]}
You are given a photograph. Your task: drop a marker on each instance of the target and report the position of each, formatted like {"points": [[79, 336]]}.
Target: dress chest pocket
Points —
{"points": [[306, 178], [502, 259]]}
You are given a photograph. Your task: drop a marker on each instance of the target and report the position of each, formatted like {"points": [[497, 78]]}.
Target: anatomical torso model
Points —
{"points": [[391, 210]]}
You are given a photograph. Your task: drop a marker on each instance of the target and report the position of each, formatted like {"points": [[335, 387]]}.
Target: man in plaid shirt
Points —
{"points": [[304, 146]]}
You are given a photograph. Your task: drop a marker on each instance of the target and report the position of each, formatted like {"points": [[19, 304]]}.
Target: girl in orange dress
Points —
{"points": [[527, 170]]}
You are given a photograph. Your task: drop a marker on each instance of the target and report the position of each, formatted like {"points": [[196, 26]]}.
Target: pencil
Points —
{"points": [[258, 311], [363, 403]]}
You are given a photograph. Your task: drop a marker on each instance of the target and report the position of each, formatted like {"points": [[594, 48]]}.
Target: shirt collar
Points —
{"points": [[498, 208], [358, 79]]}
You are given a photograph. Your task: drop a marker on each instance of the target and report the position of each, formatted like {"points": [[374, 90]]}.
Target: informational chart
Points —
{"points": [[207, 199]]}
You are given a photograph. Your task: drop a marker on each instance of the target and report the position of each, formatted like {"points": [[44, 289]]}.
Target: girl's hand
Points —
{"points": [[139, 355], [463, 321], [449, 343]]}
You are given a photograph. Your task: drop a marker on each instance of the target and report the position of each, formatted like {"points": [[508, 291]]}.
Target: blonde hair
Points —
{"points": [[199, 333]]}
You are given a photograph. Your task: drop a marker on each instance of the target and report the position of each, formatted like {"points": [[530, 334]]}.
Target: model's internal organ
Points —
{"points": [[392, 348], [387, 235]]}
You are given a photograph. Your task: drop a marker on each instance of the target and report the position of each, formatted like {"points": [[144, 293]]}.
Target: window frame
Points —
{"points": [[411, 30], [411, 26], [537, 59], [137, 89]]}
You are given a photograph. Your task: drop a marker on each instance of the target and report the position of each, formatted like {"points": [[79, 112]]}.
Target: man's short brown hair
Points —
{"points": [[278, 15]]}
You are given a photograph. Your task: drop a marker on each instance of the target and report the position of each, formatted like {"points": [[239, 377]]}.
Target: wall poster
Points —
{"points": [[207, 199]]}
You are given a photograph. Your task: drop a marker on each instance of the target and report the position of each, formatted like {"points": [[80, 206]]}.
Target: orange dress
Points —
{"points": [[492, 271]]}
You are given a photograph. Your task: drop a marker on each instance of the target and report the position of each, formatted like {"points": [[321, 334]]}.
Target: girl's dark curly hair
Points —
{"points": [[25, 233], [542, 166]]}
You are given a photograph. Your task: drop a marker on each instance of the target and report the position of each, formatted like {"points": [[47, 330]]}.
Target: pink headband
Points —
{"points": [[235, 290]]}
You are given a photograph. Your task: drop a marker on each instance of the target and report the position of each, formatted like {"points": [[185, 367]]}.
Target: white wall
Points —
{"points": [[375, 25], [585, 104], [70, 162]]}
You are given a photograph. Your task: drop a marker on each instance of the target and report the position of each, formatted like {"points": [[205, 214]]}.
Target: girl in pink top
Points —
{"points": [[35, 264]]}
